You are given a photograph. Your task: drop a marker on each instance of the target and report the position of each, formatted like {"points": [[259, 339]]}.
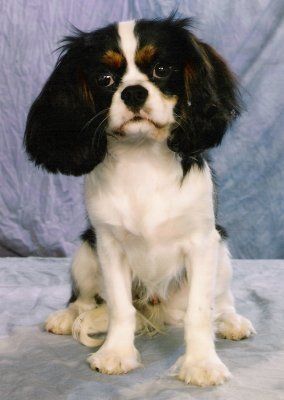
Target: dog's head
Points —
{"points": [[133, 80]]}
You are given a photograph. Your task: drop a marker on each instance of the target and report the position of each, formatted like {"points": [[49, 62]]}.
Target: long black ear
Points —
{"points": [[210, 104], [61, 133]]}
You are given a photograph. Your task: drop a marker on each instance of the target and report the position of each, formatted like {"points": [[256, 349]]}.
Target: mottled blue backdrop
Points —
{"points": [[42, 214]]}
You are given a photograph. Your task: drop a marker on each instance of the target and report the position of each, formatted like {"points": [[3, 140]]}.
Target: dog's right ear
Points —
{"points": [[64, 131]]}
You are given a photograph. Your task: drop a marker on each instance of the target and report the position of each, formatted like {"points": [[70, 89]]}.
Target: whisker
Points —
{"points": [[183, 124], [100, 125], [88, 123], [98, 132]]}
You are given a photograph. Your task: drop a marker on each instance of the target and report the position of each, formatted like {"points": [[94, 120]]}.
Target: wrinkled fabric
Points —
{"points": [[38, 365], [43, 214]]}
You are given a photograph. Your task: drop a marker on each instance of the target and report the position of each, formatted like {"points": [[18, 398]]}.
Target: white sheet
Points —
{"points": [[38, 365]]}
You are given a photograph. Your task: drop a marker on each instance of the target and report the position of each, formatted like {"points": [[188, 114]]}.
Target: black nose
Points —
{"points": [[134, 96]]}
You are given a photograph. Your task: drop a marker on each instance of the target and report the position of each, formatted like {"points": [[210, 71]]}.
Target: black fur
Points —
{"points": [[74, 293], [222, 231], [66, 125], [89, 236]]}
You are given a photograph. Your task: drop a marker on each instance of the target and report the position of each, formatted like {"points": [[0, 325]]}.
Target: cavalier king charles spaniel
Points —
{"points": [[134, 107]]}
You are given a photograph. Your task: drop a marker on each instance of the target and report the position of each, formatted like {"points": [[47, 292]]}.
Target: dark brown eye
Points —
{"points": [[105, 80], [162, 71]]}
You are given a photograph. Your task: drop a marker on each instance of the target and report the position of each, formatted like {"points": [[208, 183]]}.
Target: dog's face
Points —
{"points": [[133, 80], [147, 86]]}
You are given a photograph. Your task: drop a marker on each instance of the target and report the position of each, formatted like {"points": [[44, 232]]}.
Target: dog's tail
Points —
{"points": [[150, 319], [90, 327]]}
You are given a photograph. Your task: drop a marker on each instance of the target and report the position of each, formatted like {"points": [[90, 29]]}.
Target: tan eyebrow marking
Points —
{"points": [[113, 59], [146, 54]]}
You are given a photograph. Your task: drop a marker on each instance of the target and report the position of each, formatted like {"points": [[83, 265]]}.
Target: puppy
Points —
{"points": [[134, 107]]}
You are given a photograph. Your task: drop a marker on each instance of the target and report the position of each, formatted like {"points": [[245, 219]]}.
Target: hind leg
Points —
{"points": [[229, 324], [86, 285]]}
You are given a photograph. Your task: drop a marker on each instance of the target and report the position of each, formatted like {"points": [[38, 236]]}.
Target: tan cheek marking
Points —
{"points": [[146, 54], [172, 98], [113, 59], [161, 134]]}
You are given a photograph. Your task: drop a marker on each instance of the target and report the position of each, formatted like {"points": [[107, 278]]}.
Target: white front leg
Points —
{"points": [[118, 354], [200, 364]]}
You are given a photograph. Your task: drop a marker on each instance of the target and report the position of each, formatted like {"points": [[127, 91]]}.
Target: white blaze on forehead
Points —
{"points": [[128, 41], [128, 45]]}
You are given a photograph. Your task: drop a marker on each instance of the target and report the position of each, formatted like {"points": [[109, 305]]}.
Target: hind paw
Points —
{"points": [[61, 322]]}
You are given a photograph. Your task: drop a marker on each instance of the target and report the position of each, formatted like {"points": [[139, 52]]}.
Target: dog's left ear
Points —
{"points": [[62, 132], [211, 101]]}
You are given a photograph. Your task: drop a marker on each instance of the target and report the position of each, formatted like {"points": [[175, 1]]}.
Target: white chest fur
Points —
{"points": [[140, 196]]}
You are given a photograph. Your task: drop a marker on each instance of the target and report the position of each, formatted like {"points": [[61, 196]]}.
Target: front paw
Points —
{"points": [[234, 327], [114, 361], [205, 372]]}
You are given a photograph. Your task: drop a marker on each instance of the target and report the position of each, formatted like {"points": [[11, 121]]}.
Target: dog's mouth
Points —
{"points": [[139, 118], [138, 124], [136, 118]]}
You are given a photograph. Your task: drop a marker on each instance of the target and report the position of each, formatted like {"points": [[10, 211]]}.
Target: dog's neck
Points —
{"points": [[138, 146]]}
